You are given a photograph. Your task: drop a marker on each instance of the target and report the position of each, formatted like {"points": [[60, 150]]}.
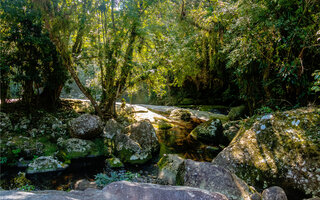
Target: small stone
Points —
{"points": [[84, 184]]}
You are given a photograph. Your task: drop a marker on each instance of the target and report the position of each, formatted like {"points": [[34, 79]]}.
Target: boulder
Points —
{"points": [[138, 144], [255, 196], [237, 112], [114, 163], [77, 148], [164, 124], [168, 168], [204, 175], [112, 128], [84, 184], [230, 129], [180, 114], [274, 193], [282, 148], [86, 126], [45, 164], [122, 190], [5, 123], [209, 133]]}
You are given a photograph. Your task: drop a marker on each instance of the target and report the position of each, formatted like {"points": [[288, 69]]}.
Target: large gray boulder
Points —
{"points": [[124, 190], [206, 176], [136, 144], [86, 126], [121, 190], [112, 128], [282, 148]]}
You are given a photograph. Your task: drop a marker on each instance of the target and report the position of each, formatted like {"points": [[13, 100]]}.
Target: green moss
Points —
{"points": [[164, 125], [162, 162], [114, 163], [165, 149], [237, 112]]}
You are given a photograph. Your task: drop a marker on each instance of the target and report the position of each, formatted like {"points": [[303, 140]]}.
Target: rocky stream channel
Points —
{"points": [[160, 152]]}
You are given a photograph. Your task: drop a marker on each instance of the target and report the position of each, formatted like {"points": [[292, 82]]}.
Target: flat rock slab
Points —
{"points": [[122, 190]]}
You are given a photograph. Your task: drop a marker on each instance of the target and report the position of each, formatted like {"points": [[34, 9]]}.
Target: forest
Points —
{"points": [[164, 86]]}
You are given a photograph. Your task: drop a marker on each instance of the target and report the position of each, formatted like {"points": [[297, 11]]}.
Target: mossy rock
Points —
{"points": [[114, 163], [168, 168], [137, 144], [181, 114], [223, 118], [164, 125], [74, 148], [281, 149], [209, 133], [237, 112], [45, 164]]}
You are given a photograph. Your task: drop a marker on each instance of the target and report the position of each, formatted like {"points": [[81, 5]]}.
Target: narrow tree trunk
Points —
{"points": [[28, 92], [4, 86], [83, 89]]}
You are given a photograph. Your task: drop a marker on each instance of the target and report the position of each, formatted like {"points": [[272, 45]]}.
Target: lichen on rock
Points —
{"points": [[45, 164], [86, 126], [282, 148]]}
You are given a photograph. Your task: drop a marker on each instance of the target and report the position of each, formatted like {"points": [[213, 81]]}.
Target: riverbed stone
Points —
{"points": [[168, 168], [84, 184], [114, 163], [237, 112], [73, 148], [209, 133], [204, 175], [281, 148], [138, 144], [274, 193], [86, 126], [180, 114], [45, 164], [230, 129], [122, 190], [112, 128]]}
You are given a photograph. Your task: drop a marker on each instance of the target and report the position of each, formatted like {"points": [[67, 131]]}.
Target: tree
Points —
{"points": [[67, 22], [28, 55]]}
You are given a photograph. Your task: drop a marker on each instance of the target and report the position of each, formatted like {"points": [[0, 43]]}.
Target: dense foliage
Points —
{"points": [[258, 53]]}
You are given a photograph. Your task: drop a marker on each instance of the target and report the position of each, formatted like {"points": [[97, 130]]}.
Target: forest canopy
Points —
{"points": [[230, 52]]}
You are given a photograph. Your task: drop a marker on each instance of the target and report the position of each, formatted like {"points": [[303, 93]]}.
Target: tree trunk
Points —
{"points": [[81, 87], [4, 86], [27, 96], [50, 96], [109, 108]]}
